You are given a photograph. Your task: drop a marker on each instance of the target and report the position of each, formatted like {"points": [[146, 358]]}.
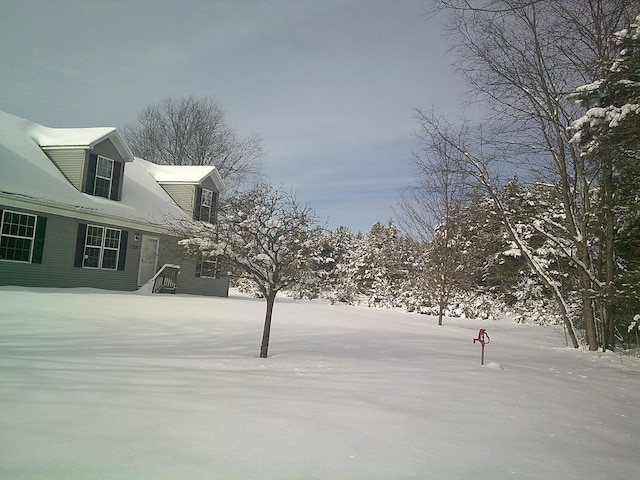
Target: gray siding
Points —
{"points": [[209, 185], [70, 163], [183, 195], [57, 270], [171, 252], [107, 149]]}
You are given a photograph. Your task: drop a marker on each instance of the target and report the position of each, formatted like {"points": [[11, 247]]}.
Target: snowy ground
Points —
{"points": [[102, 385]]}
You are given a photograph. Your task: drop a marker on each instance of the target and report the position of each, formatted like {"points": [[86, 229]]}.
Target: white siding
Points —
{"points": [[183, 195], [70, 163]]}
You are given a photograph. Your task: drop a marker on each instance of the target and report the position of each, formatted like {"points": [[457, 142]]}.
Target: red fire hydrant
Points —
{"points": [[484, 339]]}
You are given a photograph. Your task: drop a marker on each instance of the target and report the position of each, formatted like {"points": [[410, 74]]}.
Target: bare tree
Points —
{"points": [[475, 162], [426, 211], [267, 237], [193, 131], [524, 58]]}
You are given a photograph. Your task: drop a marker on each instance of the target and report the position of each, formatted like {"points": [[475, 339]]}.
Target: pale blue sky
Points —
{"points": [[329, 85]]}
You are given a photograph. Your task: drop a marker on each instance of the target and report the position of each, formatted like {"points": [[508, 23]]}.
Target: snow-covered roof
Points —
{"points": [[28, 178], [51, 138], [183, 174]]}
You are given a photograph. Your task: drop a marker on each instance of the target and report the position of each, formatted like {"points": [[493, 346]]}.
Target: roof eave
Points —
{"points": [[215, 176], [123, 149]]}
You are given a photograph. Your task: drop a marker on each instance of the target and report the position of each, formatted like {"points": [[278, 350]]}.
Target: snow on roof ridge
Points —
{"points": [[48, 136], [28, 175], [70, 137], [191, 174], [83, 137]]}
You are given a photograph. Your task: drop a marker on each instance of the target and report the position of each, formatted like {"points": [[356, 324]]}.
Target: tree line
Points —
{"points": [[560, 82]]}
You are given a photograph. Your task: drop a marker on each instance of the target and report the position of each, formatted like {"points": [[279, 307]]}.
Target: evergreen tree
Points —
{"points": [[608, 135]]}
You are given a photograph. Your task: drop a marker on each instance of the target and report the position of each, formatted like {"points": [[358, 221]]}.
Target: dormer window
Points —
{"points": [[206, 201], [104, 177], [205, 205]]}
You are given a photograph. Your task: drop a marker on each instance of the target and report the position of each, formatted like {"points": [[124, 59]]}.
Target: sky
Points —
{"points": [[330, 86]]}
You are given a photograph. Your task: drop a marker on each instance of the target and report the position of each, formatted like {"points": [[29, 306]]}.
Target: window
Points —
{"points": [[208, 269], [21, 236], [101, 248], [206, 205], [213, 268], [104, 177]]}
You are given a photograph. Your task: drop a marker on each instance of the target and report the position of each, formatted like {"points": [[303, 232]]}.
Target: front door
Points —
{"points": [[148, 259]]}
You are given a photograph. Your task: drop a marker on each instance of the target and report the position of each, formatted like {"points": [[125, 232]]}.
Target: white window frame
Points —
{"points": [[102, 177], [31, 238], [103, 237], [206, 201]]}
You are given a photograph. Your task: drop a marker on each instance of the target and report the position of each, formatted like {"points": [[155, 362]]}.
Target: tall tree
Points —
{"points": [[268, 237], [193, 131], [478, 163], [609, 138], [339, 251], [427, 210], [523, 57]]}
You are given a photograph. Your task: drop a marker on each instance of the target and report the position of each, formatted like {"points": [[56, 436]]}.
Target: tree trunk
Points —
{"points": [[264, 348], [588, 316], [442, 300], [608, 241]]}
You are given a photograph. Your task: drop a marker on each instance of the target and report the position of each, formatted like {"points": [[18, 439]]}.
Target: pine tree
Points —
{"points": [[608, 135]]}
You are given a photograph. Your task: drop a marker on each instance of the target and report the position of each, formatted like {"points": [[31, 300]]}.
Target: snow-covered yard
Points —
{"points": [[104, 385]]}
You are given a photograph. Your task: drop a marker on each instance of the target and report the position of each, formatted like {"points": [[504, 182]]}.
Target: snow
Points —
{"points": [[67, 137], [100, 384], [189, 174], [26, 173]]}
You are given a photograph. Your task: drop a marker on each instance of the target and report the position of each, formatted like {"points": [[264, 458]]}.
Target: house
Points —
{"points": [[77, 209]]}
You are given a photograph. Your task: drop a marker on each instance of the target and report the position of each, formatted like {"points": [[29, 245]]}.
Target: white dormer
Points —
{"points": [[196, 189], [92, 159]]}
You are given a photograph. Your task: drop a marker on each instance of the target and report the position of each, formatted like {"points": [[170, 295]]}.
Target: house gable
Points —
{"points": [[45, 170], [185, 185], [79, 163]]}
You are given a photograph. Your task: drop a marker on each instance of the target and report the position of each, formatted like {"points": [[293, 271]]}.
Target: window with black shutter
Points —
{"points": [[104, 177], [21, 236], [204, 205], [100, 247]]}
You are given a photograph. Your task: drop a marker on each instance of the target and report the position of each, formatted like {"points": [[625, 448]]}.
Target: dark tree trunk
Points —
{"points": [[264, 348], [608, 314]]}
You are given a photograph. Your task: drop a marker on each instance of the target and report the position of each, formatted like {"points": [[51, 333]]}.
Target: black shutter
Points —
{"points": [[196, 207], [116, 183], [199, 266], [38, 243], [214, 208], [124, 236], [82, 234], [90, 180], [0, 225]]}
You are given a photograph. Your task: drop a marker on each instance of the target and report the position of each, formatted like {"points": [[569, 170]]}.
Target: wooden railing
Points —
{"points": [[166, 279]]}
